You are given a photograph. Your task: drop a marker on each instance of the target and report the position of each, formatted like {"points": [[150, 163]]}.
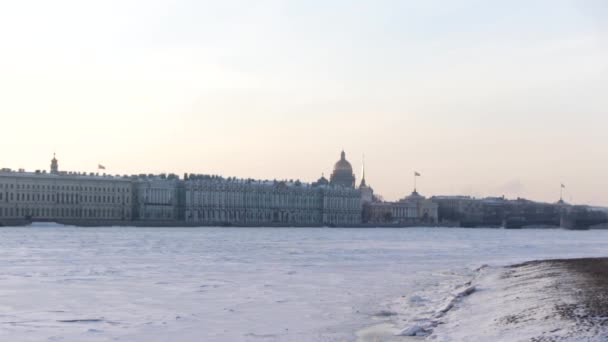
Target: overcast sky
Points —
{"points": [[481, 97]]}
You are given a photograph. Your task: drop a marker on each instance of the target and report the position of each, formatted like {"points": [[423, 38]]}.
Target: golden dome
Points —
{"points": [[343, 164], [343, 173]]}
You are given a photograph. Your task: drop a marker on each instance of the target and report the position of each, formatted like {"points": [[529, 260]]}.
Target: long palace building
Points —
{"points": [[94, 199]]}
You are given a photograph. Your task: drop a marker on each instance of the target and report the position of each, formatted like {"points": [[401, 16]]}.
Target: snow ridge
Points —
{"points": [[427, 325]]}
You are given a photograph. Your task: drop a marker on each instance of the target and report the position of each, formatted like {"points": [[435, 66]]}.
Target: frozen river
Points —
{"points": [[246, 284]]}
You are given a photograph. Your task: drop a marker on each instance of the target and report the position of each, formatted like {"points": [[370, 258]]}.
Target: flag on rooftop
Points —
{"points": [[417, 174], [101, 167]]}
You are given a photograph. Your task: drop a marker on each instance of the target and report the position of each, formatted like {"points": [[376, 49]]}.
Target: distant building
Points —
{"points": [[81, 198], [343, 173], [216, 200], [500, 212], [158, 198], [463, 210], [341, 206], [393, 213], [64, 196], [411, 210], [427, 211]]}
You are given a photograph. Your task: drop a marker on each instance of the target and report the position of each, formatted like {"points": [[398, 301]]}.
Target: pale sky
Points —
{"points": [[483, 98]]}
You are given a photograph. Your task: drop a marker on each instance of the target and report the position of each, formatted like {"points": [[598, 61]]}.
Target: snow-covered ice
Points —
{"points": [[253, 284], [537, 301]]}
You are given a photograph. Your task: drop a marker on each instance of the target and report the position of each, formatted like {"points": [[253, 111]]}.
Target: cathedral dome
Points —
{"points": [[343, 173], [343, 164]]}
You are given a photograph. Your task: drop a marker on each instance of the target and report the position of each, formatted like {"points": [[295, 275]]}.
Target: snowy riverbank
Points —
{"points": [[552, 300], [546, 300]]}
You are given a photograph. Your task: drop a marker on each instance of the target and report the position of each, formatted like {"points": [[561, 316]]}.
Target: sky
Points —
{"points": [[483, 98]]}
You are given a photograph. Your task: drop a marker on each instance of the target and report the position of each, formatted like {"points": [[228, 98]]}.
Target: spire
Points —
{"points": [[561, 194], [343, 155], [363, 183]]}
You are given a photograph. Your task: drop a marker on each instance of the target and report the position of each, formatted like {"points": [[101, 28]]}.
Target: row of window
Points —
{"points": [[342, 203], [63, 187], [264, 190], [49, 213], [217, 199], [250, 200], [342, 219], [270, 191], [157, 198], [69, 198], [249, 216], [221, 215], [158, 214]]}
